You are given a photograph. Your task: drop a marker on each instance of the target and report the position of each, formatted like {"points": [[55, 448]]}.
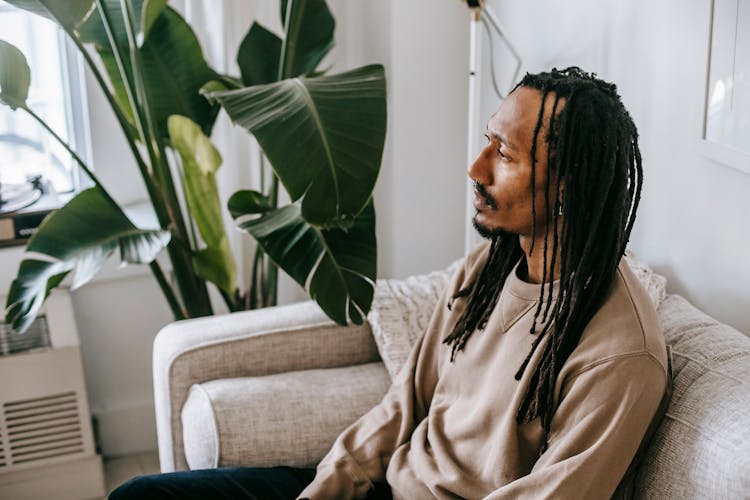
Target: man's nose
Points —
{"points": [[481, 170]]}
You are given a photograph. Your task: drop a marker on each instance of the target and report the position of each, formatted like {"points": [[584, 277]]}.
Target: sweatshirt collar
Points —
{"points": [[524, 290]]}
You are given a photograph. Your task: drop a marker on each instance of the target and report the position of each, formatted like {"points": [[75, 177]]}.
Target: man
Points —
{"points": [[543, 365]]}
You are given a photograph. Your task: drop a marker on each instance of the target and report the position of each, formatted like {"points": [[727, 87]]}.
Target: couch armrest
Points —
{"points": [[249, 343]]}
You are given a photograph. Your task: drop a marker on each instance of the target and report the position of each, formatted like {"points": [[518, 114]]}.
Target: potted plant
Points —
{"points": [[323, 136]]}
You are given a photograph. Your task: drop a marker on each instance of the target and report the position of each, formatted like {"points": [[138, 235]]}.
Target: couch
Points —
{"points": [[276, 386]]}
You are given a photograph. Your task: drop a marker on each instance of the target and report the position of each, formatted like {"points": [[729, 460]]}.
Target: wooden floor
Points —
{"points": [[117, 470]]}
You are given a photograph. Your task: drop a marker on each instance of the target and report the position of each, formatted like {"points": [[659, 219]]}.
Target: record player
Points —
{"points": [[23, 207]]}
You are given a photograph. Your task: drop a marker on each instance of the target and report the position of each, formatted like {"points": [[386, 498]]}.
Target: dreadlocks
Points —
{"points": [[594, 164]]}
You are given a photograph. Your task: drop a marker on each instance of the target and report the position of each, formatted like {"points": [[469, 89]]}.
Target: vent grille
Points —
{"points": [[37, 336], [42, 428]]}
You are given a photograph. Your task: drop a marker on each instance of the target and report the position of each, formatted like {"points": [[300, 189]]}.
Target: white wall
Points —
{"points": [[420, 195], [692, 225]]}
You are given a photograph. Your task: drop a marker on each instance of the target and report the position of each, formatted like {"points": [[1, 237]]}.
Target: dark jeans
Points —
{"points": [[274, 483]]}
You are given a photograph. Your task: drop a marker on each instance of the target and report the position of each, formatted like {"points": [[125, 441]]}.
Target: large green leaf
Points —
{"points": [[80, 236], [247, 201], [91, 29], [68, 14], [323, 136], [336, 267], [36, 278], [173, 65], [309, 36], [258, 56], [15, 76], [309, 39], [150, 11], [175, 70], [200, 161]]}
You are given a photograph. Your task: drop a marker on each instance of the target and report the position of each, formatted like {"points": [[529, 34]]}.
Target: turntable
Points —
{"points": [[23, 207]]}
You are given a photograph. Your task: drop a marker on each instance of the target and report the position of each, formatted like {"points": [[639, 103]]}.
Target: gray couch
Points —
{"points": [[276, 386]]}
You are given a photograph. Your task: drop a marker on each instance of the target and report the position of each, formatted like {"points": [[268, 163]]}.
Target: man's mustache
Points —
{"points": [[482, 191]]}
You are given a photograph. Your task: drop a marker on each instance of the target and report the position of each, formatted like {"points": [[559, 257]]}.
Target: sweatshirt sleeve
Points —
{"points": [[595, 432], [361, 454]]}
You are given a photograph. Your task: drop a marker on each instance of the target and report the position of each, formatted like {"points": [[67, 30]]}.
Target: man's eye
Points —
{"points": [[500, 152], [488, 137]]}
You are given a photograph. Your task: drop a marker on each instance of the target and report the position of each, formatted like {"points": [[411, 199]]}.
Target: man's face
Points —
{"points": [[502, 171]]}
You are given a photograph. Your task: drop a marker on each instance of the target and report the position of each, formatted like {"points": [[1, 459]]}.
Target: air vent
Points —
{"points": [[42, 428], [37, 336]]}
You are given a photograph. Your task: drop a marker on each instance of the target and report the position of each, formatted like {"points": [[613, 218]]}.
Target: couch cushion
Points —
{"points": [[702, 447], [654, 283], [283, 419], [401, 311]]}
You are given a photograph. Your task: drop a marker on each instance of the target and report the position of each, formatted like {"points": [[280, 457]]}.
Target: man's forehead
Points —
{"points": [[517, 116]]}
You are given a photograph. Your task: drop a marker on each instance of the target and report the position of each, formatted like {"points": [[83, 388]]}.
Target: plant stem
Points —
{"points": [[194, 296], [159, 158], [153, 192], [271, 283], [281, 74], [142, 166], [231, 303], [143, 123], [127, 84], [177, 310], [64, 144], [256, 279]]}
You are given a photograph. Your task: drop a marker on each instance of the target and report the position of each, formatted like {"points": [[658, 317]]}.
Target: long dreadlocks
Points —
{"points": [[595, 163]]}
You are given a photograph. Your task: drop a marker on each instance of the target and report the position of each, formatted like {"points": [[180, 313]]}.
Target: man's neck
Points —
{"points": [[533, 271]]}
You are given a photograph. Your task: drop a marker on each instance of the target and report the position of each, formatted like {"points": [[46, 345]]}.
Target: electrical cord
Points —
{"points": [[495, 85]]}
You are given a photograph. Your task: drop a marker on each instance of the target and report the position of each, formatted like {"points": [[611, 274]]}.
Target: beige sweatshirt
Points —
{"points": [[448, 429]]}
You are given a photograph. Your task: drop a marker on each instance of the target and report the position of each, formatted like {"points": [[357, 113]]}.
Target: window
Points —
{"points": [[26, 149]]}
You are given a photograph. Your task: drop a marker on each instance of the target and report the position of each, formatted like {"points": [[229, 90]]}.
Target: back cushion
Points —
{"points": [[702, 448]]}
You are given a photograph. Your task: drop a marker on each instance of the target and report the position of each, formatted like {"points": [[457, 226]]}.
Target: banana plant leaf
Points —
{"points": [[15, 76], [337, 268], [323, 136], [309, 39], [247, 201], [27, 294], [200, 162], [92, 30], [173, 65], [78, 237], [150, 11], [68, 14], [258, 56], [309, 36]]}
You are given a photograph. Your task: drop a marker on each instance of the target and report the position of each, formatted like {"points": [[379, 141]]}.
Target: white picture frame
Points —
{"points": [[725, 135]]}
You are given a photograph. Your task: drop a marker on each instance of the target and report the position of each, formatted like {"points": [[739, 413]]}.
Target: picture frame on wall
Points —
{"points": [[726, 119]]}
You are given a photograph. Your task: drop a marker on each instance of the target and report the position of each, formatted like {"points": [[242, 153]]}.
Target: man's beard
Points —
{"points": [[487, 232], [484, 231]]}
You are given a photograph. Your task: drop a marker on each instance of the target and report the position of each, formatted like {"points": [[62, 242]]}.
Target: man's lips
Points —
{"points": [[479, 201], [482, 199]]}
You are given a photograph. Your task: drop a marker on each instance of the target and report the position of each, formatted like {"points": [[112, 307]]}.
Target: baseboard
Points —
{"points": [[125, 430]]}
